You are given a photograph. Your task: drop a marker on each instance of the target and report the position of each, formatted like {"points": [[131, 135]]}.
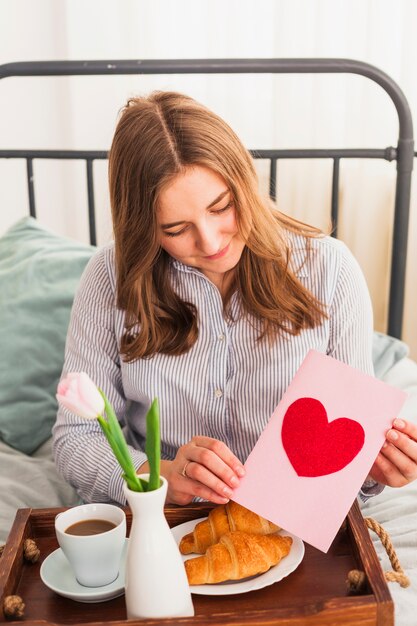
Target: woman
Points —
{"points": [[209, 299]]}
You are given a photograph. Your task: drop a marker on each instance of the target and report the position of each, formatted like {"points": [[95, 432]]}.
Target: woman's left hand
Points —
{"points": [[396, 463]]}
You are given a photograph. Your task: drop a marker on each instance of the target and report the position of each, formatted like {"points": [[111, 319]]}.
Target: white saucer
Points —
{"points": [[56, 573]]}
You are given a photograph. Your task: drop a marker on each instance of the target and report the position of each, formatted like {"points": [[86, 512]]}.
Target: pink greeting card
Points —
{"points": [[309, 463]]}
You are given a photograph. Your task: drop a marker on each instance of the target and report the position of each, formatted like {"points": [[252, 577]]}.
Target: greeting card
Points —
{"points": [[309, 463]]}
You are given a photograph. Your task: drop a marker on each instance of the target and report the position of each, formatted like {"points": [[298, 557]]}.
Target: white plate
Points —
{"points": [[287, 565], [56, 573]]}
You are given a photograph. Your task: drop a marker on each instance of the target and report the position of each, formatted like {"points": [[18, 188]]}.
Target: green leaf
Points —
{"points": [[153, 445], [117, 442], [129, 469], [117, 433], [134, 483], [119, 452]]}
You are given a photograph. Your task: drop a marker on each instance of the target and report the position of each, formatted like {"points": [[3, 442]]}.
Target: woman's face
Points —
{"points": [[197, 223]]}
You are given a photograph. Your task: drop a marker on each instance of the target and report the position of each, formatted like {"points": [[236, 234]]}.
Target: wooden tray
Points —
{"points": [[315, 594]]}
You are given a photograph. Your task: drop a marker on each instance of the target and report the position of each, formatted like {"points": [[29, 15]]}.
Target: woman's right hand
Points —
{"points": [[204, 467]]}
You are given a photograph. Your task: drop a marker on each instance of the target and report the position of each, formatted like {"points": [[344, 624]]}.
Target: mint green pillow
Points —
{"points": [[39, 273]]}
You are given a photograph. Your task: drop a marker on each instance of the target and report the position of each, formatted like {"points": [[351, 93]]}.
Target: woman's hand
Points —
{"points": [[396, 463], [203, 467]]}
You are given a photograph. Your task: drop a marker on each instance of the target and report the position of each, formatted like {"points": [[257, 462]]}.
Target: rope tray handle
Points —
{"points": [[356, 579]]}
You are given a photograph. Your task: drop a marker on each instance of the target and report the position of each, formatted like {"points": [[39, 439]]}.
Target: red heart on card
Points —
{"points": [[315, 446]]}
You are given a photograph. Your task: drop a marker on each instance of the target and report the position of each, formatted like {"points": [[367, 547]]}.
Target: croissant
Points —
{"points": [[237, 555], [222, 519]]}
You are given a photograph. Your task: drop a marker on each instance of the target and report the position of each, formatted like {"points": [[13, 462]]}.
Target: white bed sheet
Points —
{"points": [[30, 481], [396, 509]]}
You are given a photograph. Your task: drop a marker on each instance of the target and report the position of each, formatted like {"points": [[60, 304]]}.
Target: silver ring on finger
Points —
{"points": [[184, 470]]}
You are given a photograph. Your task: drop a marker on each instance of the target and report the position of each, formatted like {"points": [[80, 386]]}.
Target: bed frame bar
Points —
{"points": [[403, 153]]}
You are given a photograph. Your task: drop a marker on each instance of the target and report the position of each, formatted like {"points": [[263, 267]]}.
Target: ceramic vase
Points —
{"points": [[155, 579]]}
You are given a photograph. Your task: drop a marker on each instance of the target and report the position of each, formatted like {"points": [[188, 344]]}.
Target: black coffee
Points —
{"points": [[90, 527]]}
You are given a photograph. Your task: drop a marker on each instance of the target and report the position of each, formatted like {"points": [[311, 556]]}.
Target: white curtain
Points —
{"points": [[266, 111]]}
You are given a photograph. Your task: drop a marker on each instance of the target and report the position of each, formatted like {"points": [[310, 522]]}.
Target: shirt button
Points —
{"points": [[220, 337], [218, 393]]}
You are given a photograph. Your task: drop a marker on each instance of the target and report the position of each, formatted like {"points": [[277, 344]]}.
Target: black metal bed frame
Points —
{"points": [[403, 153]]}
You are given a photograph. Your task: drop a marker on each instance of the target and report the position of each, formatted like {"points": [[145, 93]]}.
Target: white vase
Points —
{"points": [[155, 579]]}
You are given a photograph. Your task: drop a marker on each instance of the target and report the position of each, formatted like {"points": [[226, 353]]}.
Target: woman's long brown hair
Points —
{"points": [[156, 138]]}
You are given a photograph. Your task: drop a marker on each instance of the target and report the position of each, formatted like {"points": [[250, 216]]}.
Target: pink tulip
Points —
{"points": [[78, 394]]}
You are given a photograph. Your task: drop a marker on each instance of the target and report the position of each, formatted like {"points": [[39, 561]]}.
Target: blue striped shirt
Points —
{"points": [[226, 386]]}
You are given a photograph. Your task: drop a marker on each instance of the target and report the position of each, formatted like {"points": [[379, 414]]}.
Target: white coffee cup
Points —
{"points": [[95, 559]]}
